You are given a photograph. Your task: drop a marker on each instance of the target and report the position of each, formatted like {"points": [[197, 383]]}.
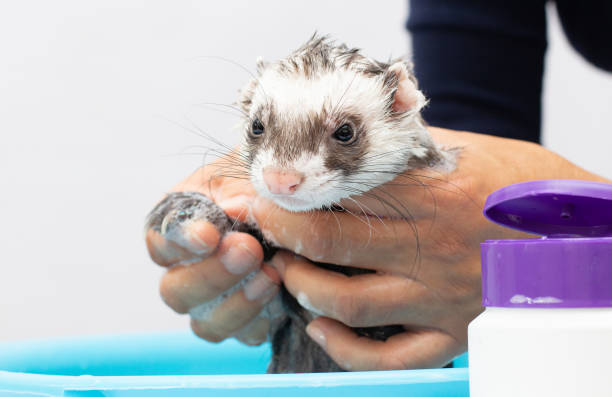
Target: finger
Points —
{"points": [[165, 252], [364, 300], [337, 237], [222, 179], [408, 350], [231, 314], [237, 207], [255, 333], [200, 239], [184, 287]]}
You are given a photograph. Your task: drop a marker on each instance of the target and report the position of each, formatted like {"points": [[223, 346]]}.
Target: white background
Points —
{"points": [[90, 94]]}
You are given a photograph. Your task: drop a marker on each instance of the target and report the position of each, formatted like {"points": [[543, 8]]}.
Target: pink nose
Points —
{"points": [[282, 181]]}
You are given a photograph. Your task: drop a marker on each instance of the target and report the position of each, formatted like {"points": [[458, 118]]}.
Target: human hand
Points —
{"points": [[219, 280], [421, 233]]}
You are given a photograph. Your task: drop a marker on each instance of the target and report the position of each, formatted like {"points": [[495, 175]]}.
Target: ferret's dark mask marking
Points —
{"points": [[348, 157], [293, 133]]}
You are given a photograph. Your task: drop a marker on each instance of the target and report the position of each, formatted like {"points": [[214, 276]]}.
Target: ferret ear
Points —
{"points": [[245, 96], [407, 97]]}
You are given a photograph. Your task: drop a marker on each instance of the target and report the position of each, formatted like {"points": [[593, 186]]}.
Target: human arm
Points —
{"points": [[481, 64]]}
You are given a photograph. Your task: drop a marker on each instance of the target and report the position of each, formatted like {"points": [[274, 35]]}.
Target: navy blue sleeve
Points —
{"points": [[588, 27], [480, 62]]}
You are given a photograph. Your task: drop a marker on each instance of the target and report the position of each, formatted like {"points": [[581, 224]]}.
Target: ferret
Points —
{"points": [[321, 125]]}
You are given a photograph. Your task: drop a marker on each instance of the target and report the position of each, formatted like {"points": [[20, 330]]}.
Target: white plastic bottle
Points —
{"points": [[547, 325]]}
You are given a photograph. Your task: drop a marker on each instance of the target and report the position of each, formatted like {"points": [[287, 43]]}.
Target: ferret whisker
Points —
{"points": [[275, 209], [237, 168], [433, 199], [386, 153], [231, 169], [222, 154], [229, 173], [337, 221], [227, 153], [365, 214], [312, 213], [221, 165], [231, 176], [238, 158], [212, 177], [459, 189], [361, 219], [369, 212], [195, 132], [416, 183], [244, 68], [223, 171], [221, 111], [229, 159], [407, 216], [208, 136], [227, 150], [211, 106], [385, 204], [420, 183], [236, 220], [358, 181], [337, 106]]}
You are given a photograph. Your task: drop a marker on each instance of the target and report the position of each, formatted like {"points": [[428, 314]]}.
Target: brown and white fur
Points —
{"points": [[293, 110], [303, 99]]}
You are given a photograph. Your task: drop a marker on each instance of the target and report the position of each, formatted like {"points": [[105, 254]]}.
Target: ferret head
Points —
{"points": [[327, 122]]}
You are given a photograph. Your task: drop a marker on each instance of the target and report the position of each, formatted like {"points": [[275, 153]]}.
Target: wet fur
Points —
{"points": [[302, 99], [387, 144], [293, 351]]}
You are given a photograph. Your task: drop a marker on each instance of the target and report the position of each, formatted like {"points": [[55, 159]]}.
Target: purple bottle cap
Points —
{"points": [[571, 266]]}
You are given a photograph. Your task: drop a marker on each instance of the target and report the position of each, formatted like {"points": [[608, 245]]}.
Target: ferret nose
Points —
{"points": [[282, 181]]}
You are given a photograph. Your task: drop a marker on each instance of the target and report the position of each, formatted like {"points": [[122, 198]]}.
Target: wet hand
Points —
{"points": [[421, 233], [219, 280]]}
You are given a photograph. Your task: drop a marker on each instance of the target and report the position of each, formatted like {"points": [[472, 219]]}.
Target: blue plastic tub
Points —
{"points": [[179, 364]]}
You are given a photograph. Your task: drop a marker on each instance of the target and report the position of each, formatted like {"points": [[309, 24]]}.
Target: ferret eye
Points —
{"points": [[257, 128], [344, 133]]}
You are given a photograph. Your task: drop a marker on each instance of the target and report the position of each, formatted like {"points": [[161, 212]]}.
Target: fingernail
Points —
{"points": [[238, 259], [261, 287], [196, 244], [194, 237], [317, 335]]}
